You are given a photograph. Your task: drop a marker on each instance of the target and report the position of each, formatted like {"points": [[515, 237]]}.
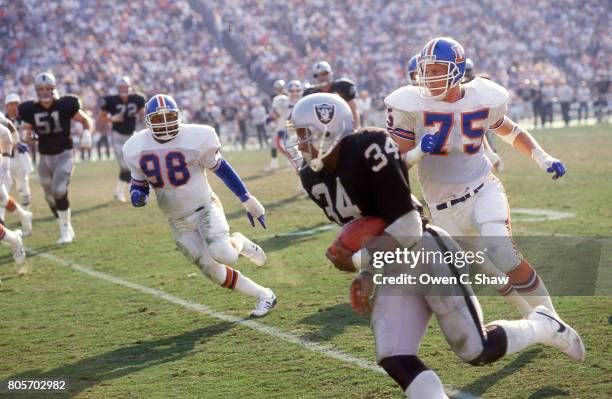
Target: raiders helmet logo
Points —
{"points": [[325, 112]]}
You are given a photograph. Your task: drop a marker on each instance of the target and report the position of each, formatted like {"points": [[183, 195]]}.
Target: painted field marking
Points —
{"points": [[326, 350]]}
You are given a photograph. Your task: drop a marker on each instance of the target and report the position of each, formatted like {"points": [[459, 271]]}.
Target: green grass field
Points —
{"points": [[113, 341]]}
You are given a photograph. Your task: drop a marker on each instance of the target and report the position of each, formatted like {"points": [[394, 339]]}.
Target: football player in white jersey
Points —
{"points": [[440, 125], [280, 104], [22, 166], [15, 168], [10, 237], [172, 157]]}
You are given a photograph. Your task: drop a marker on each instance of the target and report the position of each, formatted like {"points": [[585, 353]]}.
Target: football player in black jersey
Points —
{"points": [[48, 120], [350, 174], [323, 74], [122, 110]]}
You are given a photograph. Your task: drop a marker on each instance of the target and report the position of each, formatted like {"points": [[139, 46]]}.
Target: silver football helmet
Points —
{"points": [[279, 85], [317, 124], [44, 84], [322, 72], [294, 87], [124, 85]]}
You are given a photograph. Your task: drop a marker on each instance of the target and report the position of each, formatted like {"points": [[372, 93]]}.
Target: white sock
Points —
{"points": [[274, 162], [64, 218], [249, 287], [426, 385], [519, 333], [119, 188], [2, 212], [10, 237], [518, 302]]}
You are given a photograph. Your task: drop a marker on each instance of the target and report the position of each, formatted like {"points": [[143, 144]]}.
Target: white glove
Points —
{"points": [[255, 210], [86, 139]]}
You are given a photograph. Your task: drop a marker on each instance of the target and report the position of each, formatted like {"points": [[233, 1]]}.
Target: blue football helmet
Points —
{"points": [[442, 50], [412, 70], [162, 117]]}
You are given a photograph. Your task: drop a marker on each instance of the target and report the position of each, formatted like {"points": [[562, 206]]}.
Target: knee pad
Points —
{"points": [[216, 272], [62, 203], [222, 250], [502, 251], [495, 346], [403, 369], [125, 175]]}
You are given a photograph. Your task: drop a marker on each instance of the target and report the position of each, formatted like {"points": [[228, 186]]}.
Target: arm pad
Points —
{"points": [[226, 173]]}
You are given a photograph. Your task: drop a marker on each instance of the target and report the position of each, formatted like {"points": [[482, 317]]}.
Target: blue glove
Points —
{"points": [[22, 148], [428, 143], [139, 195], [557, 169]]}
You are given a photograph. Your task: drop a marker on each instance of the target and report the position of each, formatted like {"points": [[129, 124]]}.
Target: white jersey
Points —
{"points": [[175, 169], [282, 105], [5, 121], [460, 160]]}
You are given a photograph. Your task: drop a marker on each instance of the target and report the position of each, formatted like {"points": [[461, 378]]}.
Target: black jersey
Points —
{"points": [[129, 109], [344, 87], [51, 125], [370, 179]]}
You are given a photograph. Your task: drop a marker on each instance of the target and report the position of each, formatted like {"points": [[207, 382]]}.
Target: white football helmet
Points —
{"points": [[317, 124]]}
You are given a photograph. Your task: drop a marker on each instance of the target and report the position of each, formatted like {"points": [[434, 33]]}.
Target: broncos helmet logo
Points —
{"points": [[325, 112]]}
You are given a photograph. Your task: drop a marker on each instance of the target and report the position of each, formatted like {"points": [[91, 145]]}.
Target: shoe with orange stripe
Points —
{"points": [[264, 304]]}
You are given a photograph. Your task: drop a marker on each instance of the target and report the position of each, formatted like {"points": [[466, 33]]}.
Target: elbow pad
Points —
{"points": [[407, 230]]}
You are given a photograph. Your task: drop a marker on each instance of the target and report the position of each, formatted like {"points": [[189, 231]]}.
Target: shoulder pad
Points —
{"points": [[489, 93], [132, 145], [405, 98], [70, 100], [310, 90]]}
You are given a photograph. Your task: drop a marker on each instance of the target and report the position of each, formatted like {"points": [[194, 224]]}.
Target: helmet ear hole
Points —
{"points": [[327, 134]]}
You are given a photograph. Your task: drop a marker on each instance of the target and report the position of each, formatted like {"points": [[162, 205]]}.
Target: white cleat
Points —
{"points": [[67, 235], [264, 304], [560, 334], [26, 224], [251, 250], [19, 253]]}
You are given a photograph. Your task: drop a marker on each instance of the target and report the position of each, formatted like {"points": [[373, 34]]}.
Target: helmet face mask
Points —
{"points": [[163, 117]]}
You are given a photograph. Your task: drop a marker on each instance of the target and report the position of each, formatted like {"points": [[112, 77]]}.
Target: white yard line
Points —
{"points": [[326, 350]]}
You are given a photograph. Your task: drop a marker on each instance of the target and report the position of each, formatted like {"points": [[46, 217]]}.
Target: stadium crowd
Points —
{"points": [[219, 59]]}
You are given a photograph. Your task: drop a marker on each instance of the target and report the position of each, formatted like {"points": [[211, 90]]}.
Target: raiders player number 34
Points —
{"points": [[352, 174]]}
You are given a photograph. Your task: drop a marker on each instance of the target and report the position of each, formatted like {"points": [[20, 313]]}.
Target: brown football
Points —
{"points": [[352, 234]]}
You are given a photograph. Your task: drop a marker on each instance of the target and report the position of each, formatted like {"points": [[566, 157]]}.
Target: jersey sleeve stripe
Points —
{"points": [[497, 124], [402, 133], [139, 182]]}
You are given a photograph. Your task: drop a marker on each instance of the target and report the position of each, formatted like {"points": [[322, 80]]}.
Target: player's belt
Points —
{"points": [[456, 201]]}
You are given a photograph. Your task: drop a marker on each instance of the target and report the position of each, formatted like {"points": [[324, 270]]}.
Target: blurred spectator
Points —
{"points": [[548, 97], [583, 96], [364, 105], [259, 116], [565, 95]]}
